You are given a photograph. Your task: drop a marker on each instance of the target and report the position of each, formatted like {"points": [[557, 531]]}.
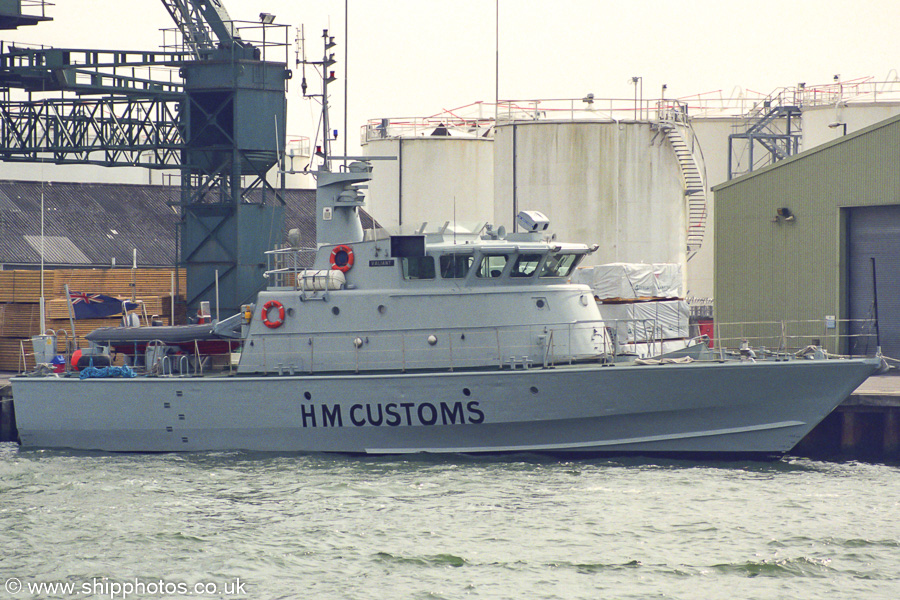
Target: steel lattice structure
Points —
{"points": [[140, 132], [213, 107]]}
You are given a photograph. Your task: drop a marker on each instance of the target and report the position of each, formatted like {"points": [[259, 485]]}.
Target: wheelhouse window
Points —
{"points": [[560, 265], [492, 266], [525, 265], [455, 266], [417, 267]]}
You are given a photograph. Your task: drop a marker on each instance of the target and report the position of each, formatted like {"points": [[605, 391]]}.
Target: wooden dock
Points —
{"points": [[864, 427]]}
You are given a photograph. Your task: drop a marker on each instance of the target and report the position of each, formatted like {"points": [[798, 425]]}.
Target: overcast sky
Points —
{"points": [[416, 57]]}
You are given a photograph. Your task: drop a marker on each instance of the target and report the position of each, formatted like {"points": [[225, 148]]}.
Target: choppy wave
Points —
{"points": [[437, 560], [522, 526], [782, 567]]}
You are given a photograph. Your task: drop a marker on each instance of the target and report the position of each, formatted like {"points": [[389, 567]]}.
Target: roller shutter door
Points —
{"points": [[874, 232]]}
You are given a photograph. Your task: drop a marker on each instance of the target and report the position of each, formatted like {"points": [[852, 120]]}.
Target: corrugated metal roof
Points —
{"points": [[6, 204], [57, 249], [107, 221]]}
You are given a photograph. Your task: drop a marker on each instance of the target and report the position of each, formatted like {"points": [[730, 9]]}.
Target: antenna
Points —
{"points": [[324, 152], [43, 306], [454, 219], [301, 51], [327, 77], [346, 77]]}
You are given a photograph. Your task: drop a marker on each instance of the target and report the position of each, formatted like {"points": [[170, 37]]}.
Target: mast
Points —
{"points": [[324, 151], [338, 195]]}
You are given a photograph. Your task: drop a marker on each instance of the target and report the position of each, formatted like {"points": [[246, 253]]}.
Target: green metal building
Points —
{"points": [[802, 245]]}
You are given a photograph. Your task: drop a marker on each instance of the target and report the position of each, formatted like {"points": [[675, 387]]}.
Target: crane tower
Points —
{"points": [[212, 105]]}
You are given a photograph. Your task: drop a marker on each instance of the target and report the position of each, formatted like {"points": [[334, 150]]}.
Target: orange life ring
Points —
{"points": [[342, 258], [270, 323]]}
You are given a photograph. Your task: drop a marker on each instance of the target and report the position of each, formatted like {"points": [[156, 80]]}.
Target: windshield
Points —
{"points": [[526, 265], [560, 265], [492, 266]]}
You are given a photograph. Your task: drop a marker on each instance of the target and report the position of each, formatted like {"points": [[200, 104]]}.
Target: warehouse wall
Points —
{"points": [[769, 271]]}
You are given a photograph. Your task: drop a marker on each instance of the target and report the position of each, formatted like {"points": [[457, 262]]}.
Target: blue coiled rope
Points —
{"points": [[92, 372]]}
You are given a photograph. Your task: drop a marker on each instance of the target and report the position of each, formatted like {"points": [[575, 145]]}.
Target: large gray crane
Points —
{"points": [[196, 19], [219, 118]]}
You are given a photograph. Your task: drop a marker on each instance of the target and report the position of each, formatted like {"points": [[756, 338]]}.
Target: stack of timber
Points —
{"points": [[21, 286], [147, 282], [20, 293]]}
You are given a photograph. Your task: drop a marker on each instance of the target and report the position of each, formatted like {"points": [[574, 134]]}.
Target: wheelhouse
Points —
{"points": [[497, 263]]}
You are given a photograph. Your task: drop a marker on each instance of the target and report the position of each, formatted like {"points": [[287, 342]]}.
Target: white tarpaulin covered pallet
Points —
{"points": [[648, 321], [631, 280]]}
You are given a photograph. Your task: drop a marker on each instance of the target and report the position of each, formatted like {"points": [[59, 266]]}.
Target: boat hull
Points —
{"points": [[760, 408]]}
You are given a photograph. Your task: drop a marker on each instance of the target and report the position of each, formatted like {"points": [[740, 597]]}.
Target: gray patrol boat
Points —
{"points": [[439, 341]]}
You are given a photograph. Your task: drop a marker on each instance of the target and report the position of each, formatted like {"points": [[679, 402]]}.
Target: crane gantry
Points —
{"points": [[212, 106]]}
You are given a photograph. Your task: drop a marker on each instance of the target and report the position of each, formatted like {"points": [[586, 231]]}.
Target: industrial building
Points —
{"points": [[803, 245], [96, 225], [631, 175]]}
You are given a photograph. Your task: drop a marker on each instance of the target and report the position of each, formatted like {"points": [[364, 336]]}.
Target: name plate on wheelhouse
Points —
{"points": [[388, 262]]}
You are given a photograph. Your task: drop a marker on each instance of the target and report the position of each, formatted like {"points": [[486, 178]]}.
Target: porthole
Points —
{"points": [[540, 303], [335, 310], [307, 395], [382, 309], [534, 390], [467, 392]]}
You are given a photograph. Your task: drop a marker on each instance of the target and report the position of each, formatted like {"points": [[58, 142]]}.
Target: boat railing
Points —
{"points": [[35, 8], [23, 362], [514, 347], [837, 337], [284, 264], [164, 363], [23, 356]]}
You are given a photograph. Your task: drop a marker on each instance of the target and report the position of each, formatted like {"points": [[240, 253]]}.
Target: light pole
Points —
{"points": [[638, 108]]}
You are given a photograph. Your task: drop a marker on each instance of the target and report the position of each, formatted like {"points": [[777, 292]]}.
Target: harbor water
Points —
{"points": [[243, 525]]}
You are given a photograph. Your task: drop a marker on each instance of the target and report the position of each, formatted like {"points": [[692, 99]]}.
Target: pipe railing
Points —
{"points": [[513, 347], [478, 119], [836, 336]]}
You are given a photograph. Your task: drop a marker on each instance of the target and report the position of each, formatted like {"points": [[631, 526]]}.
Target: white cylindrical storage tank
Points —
{"points": [[617, 184], [823, 124], [434, 179]]}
